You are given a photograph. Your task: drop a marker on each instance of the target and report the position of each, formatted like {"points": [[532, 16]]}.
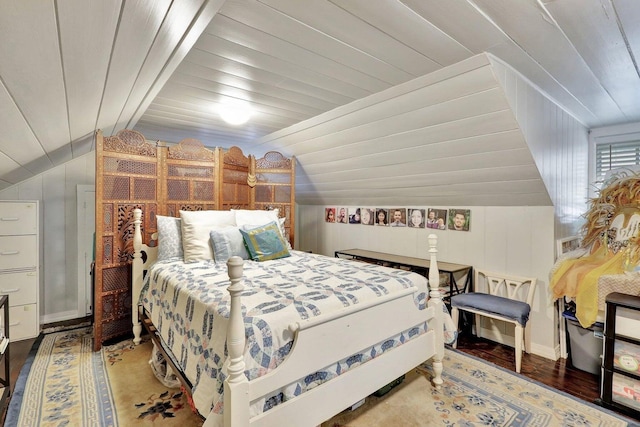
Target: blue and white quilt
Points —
{"points": [[189, 305]]}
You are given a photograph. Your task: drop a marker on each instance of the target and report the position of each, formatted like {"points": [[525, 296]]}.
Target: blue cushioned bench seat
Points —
{"points": [[515, 310]]}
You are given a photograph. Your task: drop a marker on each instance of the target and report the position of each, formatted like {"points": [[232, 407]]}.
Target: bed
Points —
{"points": [[298, 338]]}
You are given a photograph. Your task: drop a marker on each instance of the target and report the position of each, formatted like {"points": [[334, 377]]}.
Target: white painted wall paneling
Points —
{"points": [[516, 240], [246, 74], [410, 28], [183, 24], [376, 107], [593, 29], [270, 21], [56, 191], [55, 252], [86, 57], [355, 32], [453, 18], [34, 71], [137, 31], [224, 28], [530, 29], [448, 137], [558, 143]]}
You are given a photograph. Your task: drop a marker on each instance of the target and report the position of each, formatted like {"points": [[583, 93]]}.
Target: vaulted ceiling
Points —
{"points": [[165, 68]]}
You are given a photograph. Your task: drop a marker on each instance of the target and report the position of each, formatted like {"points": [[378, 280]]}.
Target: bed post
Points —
{"points": [[236, 386], [136, 275], [435, 301]]}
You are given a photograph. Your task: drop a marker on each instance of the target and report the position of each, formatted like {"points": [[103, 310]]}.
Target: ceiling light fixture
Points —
{"points": [[235, 113]]}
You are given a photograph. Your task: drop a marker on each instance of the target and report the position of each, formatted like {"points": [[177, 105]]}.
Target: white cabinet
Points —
{"points": [[19, 272]]}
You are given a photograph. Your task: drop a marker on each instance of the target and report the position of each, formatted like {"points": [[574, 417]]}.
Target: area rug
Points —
{"points": [[474, 393], [65, 383]]}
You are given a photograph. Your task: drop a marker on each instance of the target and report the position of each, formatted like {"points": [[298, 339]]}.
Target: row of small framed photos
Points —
{"points": [[439, 219]]}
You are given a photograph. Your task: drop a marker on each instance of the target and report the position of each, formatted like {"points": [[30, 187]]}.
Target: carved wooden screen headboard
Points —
{"points": [[133, 173], [126, 178], [189, 176], [274, 187], [235, 180]]}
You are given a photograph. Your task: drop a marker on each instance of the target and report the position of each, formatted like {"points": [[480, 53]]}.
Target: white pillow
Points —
{"points": [[228, 242], [256, 218], [169, 237], [245, 217], [196, 226]]}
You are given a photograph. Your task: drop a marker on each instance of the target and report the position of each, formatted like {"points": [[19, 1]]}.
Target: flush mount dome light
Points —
{"points": [[235, 113]]}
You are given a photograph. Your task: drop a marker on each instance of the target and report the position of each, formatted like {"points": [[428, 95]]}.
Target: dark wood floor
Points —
{"points": [[18, 352], [559, 374]]}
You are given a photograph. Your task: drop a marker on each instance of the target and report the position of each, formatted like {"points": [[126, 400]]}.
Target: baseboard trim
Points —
{"points": [[60, 317], [551, 353]]}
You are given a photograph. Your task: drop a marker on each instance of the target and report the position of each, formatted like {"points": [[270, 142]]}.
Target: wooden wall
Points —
{"points": [[558, 143], [449, 137]]}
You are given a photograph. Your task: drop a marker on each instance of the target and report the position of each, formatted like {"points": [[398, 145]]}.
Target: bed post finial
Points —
{"points": [[137, 234], [235, 331], [435, 301], [434, 273], [137, 267], [236, 384]]}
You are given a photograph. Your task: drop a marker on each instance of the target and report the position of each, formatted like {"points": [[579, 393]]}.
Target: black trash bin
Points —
{"points": [[585, 344]]}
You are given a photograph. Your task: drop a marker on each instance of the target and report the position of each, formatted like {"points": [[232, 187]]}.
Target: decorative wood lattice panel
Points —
{"points": [[275, 187], [235, 173], [189, 177], [126, 178]]}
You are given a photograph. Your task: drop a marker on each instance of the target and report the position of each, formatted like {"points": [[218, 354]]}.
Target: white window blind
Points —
{"points": [[616, 155]]}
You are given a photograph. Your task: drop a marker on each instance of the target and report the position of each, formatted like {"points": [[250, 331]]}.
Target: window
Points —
{"points": [[616, 155]]}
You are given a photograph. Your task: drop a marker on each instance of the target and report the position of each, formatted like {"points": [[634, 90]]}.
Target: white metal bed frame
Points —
{"points": [[318, 343]]}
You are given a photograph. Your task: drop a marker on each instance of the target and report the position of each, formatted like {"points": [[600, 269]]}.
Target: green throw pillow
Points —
{"points": [[265, 242]]}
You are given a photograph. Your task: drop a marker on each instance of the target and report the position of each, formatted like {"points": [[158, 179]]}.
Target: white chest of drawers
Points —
{"points": [[19, 272]]}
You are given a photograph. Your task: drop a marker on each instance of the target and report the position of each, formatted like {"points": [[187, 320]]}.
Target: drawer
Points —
{"points": [[625, 391], [18, 252], [22, 287], [23, 322], [18, 218], [627, 322]]}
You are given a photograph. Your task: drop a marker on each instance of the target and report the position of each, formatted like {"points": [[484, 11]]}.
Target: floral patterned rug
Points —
{"points": [[474, 393], [65, 383]]}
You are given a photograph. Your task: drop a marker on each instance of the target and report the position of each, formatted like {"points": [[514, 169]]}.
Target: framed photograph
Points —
{"points": [[437, 219], [354, 215], [398, 217], [459, 219], [330, 214], [367, 216], [341, 217], [416, 218], [566, 245], [382, 217]]}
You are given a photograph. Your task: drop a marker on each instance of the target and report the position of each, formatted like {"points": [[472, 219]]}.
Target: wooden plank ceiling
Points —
{"points": [[165, 68]]}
